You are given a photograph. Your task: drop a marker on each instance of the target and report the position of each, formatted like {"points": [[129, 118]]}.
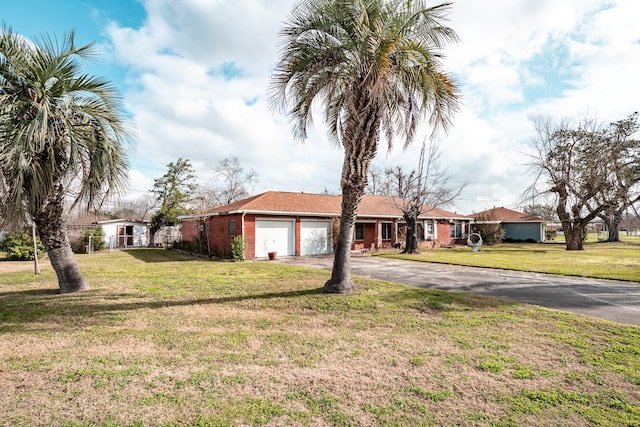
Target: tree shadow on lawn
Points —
{"points": [[22, 310], [160, 255], [34, 306]]}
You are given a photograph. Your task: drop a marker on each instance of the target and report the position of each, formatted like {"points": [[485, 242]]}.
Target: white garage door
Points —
{"points": [[315, 237], [274, 236]]}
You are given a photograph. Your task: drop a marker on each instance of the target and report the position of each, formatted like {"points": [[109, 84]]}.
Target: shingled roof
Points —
{"points": [[288, 203], [505, 215]]}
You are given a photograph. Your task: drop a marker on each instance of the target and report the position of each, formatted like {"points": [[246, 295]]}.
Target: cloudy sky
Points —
{"points": [[194, 74]]}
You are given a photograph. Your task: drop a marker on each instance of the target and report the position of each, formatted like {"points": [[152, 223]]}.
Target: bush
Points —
{"points": [[19, 246], [97, 238], [196, 246], [550, 234], [490, 230], [491, 233], [238, 245]]}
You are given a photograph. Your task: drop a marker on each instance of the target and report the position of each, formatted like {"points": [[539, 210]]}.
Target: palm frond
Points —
{"points": [[387, 50], [58, 125]]}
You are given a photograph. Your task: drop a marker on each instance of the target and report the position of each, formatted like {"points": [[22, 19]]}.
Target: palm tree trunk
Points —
{"points": [[360, 143], [64, 263], [49, 221], [340, 282]]}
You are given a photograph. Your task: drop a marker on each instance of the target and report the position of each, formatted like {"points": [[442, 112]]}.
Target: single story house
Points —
{"points": [[516, 225], [294, 224], [125, 233]]}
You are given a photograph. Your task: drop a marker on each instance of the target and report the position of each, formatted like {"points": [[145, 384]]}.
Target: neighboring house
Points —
{"points": [[124, 233], [304, 224], [516, 225]]}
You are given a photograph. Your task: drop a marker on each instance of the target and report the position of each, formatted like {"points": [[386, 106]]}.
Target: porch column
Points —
{"points": [[378, 234]]}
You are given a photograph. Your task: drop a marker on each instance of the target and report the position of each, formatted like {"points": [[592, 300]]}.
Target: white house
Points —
{"points": [[124, 233]]}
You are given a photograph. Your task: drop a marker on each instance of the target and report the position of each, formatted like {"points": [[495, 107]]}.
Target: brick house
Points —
{"points": [[295, 224]]}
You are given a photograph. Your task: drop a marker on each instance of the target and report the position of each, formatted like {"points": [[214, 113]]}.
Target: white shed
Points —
{"points": [[124, 233]]}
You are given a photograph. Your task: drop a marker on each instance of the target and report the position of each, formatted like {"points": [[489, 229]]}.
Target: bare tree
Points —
{"points": [[543, 210], [624, 174], [576, 163], [230, 183], [137, 209], [375, 181], [421, 190]]}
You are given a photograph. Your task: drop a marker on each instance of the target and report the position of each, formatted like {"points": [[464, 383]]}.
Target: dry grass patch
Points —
{"points": [[163, 338]]}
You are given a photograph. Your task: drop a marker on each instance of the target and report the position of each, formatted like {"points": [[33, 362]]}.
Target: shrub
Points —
{"points": [[550, 234], [491, 231], [238, 245], [97, 238], [196, 246], [19, 246]]}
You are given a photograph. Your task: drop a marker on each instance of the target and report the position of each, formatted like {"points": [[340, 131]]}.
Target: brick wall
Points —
{"points": [[190, 229], [220, 236]]}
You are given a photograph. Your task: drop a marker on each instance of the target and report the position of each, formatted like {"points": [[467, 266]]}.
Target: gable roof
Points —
{"points": [[288, 203], [505, 215]]}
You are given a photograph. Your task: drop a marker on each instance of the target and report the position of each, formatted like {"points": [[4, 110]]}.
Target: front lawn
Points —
{"points": [[618, 261], [163, 338]]}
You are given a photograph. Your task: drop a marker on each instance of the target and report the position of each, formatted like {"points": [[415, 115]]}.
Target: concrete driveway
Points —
{"points": [[611, 300]]}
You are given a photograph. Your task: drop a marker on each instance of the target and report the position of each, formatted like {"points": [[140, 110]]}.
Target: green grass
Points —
{"points": [[163, 338], [617, 261]]}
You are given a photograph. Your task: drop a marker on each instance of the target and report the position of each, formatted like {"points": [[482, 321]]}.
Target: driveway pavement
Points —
{"points": [[611, 300]]}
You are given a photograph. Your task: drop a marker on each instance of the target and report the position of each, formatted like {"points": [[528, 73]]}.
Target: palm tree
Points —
{"points": [[62, 137], [375, 65]]}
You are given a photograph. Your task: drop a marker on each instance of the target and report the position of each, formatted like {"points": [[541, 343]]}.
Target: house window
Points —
{"points": [[232, 227], [386, 231], [456, 230], [359, 232]]}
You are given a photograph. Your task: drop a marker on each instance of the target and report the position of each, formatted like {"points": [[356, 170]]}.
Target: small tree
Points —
{"points": [[173, 190]]}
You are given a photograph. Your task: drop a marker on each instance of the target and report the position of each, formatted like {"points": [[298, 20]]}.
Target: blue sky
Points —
{"points": [[194, 75]]}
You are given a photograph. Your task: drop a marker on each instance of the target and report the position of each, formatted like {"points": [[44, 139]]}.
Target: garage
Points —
{"points": [[315, 238], [274, 236]]}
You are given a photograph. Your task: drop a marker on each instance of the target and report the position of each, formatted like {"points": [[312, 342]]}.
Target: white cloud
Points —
{"points": [[510, 63]]}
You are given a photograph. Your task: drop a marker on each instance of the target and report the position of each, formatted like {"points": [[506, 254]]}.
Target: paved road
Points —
{"points": [[611, 300]]}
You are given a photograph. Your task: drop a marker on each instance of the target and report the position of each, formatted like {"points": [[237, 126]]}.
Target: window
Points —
{"points": [[428, 229], [386, 231], [359, 231], [456, 230], [232, 227]]}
